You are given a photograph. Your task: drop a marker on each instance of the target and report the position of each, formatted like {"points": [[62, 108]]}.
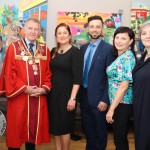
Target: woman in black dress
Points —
{"points": [[66, 66], [141, 93]]}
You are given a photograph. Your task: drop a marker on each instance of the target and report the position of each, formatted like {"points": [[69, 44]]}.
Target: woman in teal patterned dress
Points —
{"points": [[120, 86]]}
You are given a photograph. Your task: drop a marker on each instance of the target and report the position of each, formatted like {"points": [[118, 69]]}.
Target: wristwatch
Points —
{"points": [[72, 99]]}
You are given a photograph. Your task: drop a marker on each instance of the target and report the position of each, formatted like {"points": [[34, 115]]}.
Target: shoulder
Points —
{"points": [[128, 58], [76, 53], [53, 50], [75, 50], [84, 46], [43, 45], [109, 46], [16, 43], [129, 55]]}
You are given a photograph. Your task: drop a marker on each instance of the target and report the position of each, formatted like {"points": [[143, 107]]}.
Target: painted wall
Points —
{"points": [[108, 6]]}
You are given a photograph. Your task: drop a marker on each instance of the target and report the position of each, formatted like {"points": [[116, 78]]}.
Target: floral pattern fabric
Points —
{"points": [[121, 70]]}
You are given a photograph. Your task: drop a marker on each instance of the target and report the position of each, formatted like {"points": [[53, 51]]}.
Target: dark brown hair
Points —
{"points": [[58, 44], [130, 34], [95, 18]]}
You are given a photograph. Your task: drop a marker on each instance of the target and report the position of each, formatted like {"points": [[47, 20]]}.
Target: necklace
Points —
{"points": [[66, 49], [62, 51], [32, 60]]}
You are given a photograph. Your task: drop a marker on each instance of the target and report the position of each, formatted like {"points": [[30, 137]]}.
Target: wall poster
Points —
{"points": [[78, 24], [140, 12]]}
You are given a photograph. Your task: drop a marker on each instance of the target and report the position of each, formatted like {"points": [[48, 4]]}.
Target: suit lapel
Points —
{"points": [[84, 50], [99, 48], [141, 63]]}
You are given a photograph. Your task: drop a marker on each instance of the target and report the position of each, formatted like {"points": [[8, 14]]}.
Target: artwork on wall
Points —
{"points": [[12, 19], [39, 12], [140, 12], [78, 24]]}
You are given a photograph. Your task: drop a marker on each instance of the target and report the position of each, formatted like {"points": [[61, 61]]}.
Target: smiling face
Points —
{"points": [[122, 42], [145, 36], [95, 29], [32, 30], [62, 35]]}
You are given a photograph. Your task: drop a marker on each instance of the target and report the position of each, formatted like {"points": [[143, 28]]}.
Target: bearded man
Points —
{"points": [[94, 91]]}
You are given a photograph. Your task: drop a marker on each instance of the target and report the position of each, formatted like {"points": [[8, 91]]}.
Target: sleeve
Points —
{"points": [[2, 82], [109, 60], [48, 74], [125, 68], [77, 66], [12, 83]]}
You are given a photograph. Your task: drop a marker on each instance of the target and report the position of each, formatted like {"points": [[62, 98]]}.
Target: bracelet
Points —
{"points": [[72, 99]]}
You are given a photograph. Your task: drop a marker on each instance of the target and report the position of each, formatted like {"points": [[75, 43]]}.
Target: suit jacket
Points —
{"points": [[97, 89]]}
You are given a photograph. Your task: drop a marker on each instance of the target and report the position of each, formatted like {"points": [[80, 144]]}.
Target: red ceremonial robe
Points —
{"points": [[27, 117]]}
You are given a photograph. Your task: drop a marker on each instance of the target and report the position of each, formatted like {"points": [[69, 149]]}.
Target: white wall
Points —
{"points": [[108, 6]]}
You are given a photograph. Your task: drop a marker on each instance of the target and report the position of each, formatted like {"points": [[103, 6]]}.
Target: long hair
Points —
{"points": [[130, 34], [58, 44]]}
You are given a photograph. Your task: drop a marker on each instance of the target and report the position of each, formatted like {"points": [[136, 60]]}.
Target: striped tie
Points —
{"points": [[31, 49]]}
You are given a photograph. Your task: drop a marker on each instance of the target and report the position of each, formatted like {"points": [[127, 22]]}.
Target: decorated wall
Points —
{"points": [[78, 24], [140, 12]]}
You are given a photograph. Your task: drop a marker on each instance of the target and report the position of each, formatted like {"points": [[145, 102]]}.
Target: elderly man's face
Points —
{"points": [[32, 30]]}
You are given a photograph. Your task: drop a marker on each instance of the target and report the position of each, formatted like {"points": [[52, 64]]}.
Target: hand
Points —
{"points": [[109, 116], [31, 90], [71, 105], [102, 106], [39, 91]]}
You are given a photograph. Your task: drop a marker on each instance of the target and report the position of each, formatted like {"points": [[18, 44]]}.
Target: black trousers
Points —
{"points": [[121, 117], [28, 146]]}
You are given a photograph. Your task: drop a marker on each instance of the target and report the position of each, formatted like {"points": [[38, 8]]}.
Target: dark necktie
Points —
{"points": [[87, 66], [31, 49]]}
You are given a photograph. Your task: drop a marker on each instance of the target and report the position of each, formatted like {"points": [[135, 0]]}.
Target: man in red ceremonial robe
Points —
{"points": [[25, 80]]}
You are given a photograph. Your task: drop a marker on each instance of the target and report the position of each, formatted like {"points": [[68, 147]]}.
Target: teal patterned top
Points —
{"points": [[121, 70]]}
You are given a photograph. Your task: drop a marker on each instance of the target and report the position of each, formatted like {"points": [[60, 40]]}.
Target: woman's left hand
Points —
{"points": [[71, 105], [109, 116]]}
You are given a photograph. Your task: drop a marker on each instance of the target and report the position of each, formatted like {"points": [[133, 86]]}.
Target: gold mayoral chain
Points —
{"points": [[32, 60]]}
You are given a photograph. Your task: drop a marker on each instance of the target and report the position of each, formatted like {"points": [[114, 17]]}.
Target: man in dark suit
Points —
{"points": [[94, 92]]}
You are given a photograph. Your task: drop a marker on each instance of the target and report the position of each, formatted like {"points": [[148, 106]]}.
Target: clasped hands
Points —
{"points": [[35, 91]]}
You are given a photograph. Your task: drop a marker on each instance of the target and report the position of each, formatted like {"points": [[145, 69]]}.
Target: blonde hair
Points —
{"points": [[146, 23]]}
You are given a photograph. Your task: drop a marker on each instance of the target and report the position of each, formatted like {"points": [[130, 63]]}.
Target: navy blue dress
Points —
{"points": [[141, 104]]}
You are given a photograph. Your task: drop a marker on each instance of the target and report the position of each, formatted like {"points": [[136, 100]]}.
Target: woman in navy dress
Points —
{"points": [[141, 93]]}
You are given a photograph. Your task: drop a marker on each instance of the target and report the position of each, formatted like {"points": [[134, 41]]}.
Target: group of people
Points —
{"points": [[43, 87]]}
